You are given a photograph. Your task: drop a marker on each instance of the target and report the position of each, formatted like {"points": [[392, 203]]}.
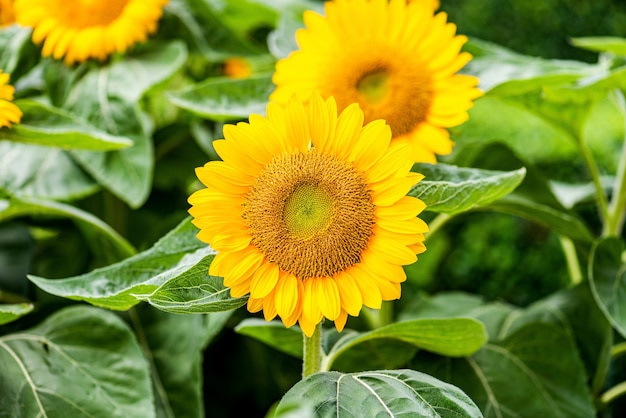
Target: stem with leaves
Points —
{"points": [[312, 352]]}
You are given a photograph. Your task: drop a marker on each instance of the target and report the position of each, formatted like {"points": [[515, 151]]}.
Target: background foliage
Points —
{"points": [[496, 298]]}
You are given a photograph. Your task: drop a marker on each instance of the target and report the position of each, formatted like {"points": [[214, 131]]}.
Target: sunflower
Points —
{"points": [[308, 212], [397, 59], [83, 29], [9, 112], [7, 16]]}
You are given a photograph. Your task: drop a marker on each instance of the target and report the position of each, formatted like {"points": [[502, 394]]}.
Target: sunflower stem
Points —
{"points": [[312, 352], [573, 266], [436, 224], [617, 209], [592, 168]]}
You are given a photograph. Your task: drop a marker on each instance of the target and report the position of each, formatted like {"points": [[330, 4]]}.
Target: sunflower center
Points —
{"points": [[398, 91], [374, 86], [308, 210], [85, 13], [311, 214]]}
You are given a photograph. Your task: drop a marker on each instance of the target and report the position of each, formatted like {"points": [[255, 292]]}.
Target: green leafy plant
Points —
{"points": [[106, 304]]}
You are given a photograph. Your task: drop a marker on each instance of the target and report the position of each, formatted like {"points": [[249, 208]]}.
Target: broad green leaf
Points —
{"points": [[534, 372], [610, 44], [11, 312], [458, 304], [504, 69], [197, 22], [17, 52], [292, 409], [607, 276], [80, 361], [179, 258], [54, 127], [454, 337], [577, 313], [531, 137], [274, 334], [451, 189], [193, 292], [392, 393], [224, 99], [103, 239], [126, 173], [32, 171], [176, 344]]}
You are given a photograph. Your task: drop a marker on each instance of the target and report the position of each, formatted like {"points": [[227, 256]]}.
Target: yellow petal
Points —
{"points": [[286, 295], [340, 322], [351, 299], [264, 280], [327, 296]]}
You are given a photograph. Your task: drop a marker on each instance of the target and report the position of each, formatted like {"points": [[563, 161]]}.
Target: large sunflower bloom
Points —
{"points": [[308, 212], [7, 16], [395, 58], [84, 29], [9, 112]]}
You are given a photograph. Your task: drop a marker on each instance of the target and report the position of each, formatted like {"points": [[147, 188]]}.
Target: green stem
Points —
{"points": [[573, 266], [436, 224], [617, 208], [613, 393], [595, 177], [618, 350], [312, 352]]}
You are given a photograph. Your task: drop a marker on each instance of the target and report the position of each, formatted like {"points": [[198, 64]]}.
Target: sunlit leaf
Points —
{"points": [[80, 361], [610, 44], [224, 99], [379, 393], [607, 276], [11, 312], [453, 337], [103, 239], [452, 189], [54, 127], [172, 275]]}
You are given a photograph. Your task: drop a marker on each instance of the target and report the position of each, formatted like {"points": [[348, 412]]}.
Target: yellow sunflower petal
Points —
{"points": [[286, 295], [264, 280], [340, 322], [326, 294]]}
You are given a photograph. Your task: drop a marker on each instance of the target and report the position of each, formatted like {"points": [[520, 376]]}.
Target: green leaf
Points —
{"points": [[17, 52], [176, 344], [119, 86], [610, 44], [10, 312], [103, 240], [32, 171], [451, 189], [81, 361], [533, 372], [274, 334], [223, 99], [607, 276], [54, 127], [379, 393], [178, 258], [504, 69], [577, 313], [453, 337]]}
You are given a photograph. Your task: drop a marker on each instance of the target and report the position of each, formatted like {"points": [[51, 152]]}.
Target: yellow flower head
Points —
{"points": [[7, 16], [393, 57], [9, 112], [84, 29], [308, 212]]}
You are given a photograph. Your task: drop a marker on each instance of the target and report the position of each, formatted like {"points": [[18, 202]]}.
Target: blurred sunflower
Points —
{"points": [[308, 212], [237, 68], [7, 16], [9, 112], [395, 58], [84, 29]]}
